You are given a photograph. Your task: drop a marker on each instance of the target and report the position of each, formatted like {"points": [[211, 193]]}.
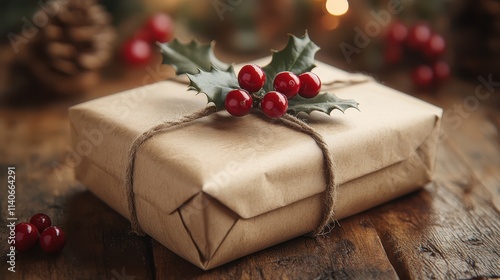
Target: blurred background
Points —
{"points": [[77, 50], [58, 53]]}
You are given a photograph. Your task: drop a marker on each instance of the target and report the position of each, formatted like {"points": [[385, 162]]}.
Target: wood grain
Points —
{"points": [[479, 148], [98, 244], [451, 229], [352, 251], [448, 230]]}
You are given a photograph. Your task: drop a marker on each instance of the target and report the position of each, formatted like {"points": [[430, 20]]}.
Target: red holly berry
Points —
{"points": [[393, 53], [143, 34], [422, 76], [310, 84], [441, 71], [274, 104], [40, 221], [52, 240], [287, 83], [26, 236], [136, 51], [160, 27], [251, 77], [435, 46], [397, 33], [418, 36], [238, 102]]}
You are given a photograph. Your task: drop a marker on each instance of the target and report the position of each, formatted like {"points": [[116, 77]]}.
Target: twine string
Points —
{"points": [[288, 120], [330, 199], [129, 173]]}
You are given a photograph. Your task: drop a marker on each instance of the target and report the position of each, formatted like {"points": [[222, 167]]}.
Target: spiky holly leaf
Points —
{"points": [[215, 84], [297, 57], [323, 102], [216, 79], [190, 57]]}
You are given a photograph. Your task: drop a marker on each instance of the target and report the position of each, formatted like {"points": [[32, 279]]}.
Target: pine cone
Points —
{"points": [[70, 50]]}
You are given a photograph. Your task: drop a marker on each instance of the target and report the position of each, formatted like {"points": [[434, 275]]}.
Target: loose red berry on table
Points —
{"points": [[422, 76], [136, 52], [274, 104], [40, 221], [160, 27], [251, 77], [441, 71], [435, 47], [26, 236], [418, 36], [287, 83], [397, 33], [310, 85], [52, 240], [238, 102]]}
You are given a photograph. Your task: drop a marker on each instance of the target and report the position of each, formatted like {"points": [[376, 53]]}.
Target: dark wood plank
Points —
{"points": [[351, 251], [476, 142], [98, 243], [449, 230]]}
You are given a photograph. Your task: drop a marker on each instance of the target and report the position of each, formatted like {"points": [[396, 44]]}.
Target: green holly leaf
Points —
{"points": [[323, 102], [215, 84], [190, 57], [297, 57], [215, 79]]}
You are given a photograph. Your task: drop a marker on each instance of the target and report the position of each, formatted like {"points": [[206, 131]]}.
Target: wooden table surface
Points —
{"points": [[448, 230]]}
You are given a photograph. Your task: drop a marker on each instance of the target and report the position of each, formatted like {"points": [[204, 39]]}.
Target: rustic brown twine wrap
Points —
{"points": [[287, 120]]}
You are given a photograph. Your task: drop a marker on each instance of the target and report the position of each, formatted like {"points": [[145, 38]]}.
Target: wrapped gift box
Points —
{"points": [[224, 187]]}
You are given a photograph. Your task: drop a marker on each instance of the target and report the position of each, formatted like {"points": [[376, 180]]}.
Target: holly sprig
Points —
{"points": [[215, 79], [190, 58]]}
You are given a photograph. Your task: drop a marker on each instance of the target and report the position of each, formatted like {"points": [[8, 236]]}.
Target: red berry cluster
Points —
{"points": [[419, 41], [274, 104], [52, 239], [138, 50]]}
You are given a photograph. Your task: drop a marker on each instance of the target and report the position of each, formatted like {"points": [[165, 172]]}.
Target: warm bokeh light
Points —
{"points": [[330, 22], [337, 7]]}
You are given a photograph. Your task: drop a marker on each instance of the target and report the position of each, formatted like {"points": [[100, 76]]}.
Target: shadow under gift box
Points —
{"points": [[224, 187]]}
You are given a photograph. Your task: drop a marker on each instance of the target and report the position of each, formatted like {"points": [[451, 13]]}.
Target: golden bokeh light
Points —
{"points": [[337, 7], [330, 22]]}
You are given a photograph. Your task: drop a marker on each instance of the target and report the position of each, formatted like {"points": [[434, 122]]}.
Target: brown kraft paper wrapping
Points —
{"points": [[223, 187]]}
